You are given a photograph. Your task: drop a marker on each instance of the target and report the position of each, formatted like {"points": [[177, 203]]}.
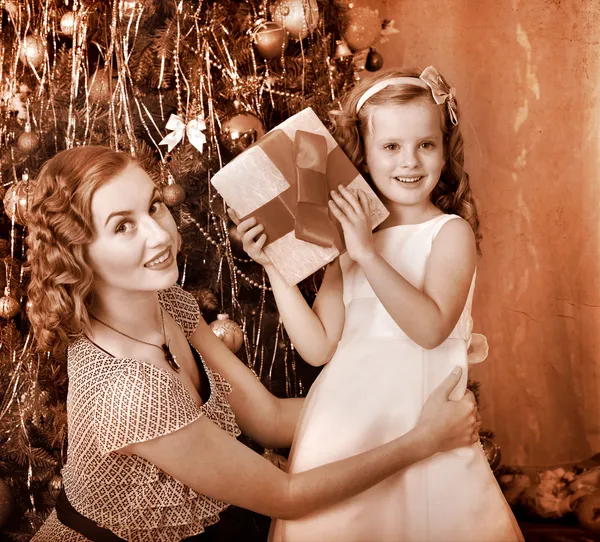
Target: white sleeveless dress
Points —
{"points": [[371, 392]]}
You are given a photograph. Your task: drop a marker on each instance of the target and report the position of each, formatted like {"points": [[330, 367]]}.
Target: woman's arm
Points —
{"points": [[205, 458], [315, 332], [429, 316], [267, 419]]}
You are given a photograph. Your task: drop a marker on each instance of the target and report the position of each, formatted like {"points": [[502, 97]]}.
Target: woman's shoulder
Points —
{"points": [[182, 306]]}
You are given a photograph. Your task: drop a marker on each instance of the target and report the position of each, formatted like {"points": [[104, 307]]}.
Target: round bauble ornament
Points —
{"points": [[240, 130], [18, 200], [28, 141], [32, 50], [492, 451], [362, 27], [588, 512], [55, 485], [228, 331], [9, 306], [270, 39], [67, 23], [101, 87], [173, 194], [298, 17], [6, 502], [374, 61]]}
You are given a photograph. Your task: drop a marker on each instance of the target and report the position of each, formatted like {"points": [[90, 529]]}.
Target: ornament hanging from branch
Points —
{"points": [[270, 39], [67, 23], [298, 17], [228, 331], [17, 200], [193, 129], [32, 51], [240, 130], [173, 194]]}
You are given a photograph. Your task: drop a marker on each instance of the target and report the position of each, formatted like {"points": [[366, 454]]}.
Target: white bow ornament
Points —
{"points": [[193, 129]]}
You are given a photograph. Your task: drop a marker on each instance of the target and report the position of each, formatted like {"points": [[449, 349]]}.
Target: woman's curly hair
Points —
{"points": [[453, 192], [60, 228]]}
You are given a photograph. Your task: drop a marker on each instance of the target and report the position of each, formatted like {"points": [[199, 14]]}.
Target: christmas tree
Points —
{"points": [[184, 86]]}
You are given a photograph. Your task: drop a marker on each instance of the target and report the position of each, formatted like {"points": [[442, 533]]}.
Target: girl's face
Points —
{"points": [[404, 149], [135, 241]]}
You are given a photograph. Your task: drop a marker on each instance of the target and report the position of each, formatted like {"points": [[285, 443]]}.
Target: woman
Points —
{"points": [[155, 399]]}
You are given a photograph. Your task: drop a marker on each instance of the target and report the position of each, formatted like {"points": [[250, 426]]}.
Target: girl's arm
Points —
{"points": [[314, 332], [267, 419], [429, 316], [207, 459]]}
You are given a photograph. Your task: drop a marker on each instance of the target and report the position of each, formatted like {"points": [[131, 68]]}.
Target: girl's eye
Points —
{"points": [[124, 227], [156, 206], [427, 145], [391, 147]]}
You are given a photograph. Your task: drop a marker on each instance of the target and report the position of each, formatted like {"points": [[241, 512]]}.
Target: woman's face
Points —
{"points": [[135, 242]]}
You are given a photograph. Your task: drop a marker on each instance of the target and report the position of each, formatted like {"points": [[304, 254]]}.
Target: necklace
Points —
{"points": [[164, 347]]}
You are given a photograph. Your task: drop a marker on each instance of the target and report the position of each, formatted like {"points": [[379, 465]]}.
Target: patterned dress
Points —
{"points": [[115, 402]]}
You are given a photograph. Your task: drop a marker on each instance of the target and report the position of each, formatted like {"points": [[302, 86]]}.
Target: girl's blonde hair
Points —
{"points": [[60, 228], [453, 192]]}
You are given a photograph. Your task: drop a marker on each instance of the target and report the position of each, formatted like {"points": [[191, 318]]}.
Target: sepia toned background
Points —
{"points": [[527, 76]]}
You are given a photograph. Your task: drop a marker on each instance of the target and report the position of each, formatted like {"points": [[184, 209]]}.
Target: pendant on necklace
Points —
{"points": [[171, 359]]}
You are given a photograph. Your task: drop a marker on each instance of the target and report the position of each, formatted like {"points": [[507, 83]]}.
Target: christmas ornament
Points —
{"points": [[6, 502], [32, 51], [28, 141], [298, 17], [270, 39], [228, 331], [362, 27], [342, 50], [588, 512], [128, 7], [101, 86], [67, 23], [18, 199], [173, 194], [9, 306], [491, 449], [55, 485], [241, 130], [193, 129], [374, 61]]}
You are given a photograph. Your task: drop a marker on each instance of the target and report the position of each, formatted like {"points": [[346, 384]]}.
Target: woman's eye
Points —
{"points": [[124, 227], [156, 206]]}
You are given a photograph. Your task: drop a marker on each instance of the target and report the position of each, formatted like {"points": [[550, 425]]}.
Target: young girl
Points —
{"points": [[391, 319]]}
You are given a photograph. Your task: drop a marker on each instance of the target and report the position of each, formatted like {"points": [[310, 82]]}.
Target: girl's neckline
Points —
{"points": [[413, 225]]}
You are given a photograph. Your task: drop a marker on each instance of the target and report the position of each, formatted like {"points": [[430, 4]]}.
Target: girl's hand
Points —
{"points": [[248, 230], [450, 424], [354, 216]]}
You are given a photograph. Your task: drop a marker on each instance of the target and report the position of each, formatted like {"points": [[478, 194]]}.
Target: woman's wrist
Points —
{"points": [[423, 439]]}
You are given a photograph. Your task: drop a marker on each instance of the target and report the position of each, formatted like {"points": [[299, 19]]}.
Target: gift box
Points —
{"points": [[284, 181]]}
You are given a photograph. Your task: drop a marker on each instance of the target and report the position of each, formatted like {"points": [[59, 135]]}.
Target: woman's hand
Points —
{"points": [[450, 424], [248, 230], [354, 216]]}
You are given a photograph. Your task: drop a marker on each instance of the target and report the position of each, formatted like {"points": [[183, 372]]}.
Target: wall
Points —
{"points": [[527, 79]]}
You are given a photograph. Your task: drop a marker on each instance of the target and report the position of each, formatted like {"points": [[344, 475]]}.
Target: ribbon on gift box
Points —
{"points": [[311, 173]]}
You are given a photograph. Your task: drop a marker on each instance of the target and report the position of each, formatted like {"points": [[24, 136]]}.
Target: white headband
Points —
{"points": [[430, 79]]}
